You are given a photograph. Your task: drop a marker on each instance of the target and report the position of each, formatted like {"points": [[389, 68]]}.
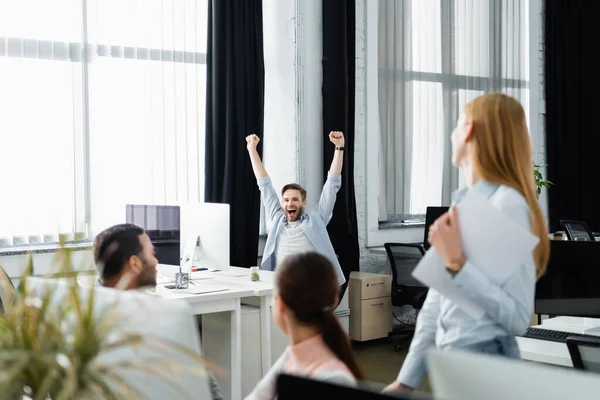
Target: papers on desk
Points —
{"points": [[201, 289], [492, 242], [196, 289], [235, 274]]}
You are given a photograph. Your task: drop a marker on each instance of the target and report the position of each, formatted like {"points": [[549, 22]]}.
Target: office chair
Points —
{"points": [[585, 353], [578, 230], [406, 290]]}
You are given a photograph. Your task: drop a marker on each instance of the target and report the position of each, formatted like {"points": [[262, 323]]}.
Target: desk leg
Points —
{"points": [[265, 333], [236, 352]]}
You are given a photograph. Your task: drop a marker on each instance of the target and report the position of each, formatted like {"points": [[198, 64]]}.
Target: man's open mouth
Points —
{"points": [[292, 213]]}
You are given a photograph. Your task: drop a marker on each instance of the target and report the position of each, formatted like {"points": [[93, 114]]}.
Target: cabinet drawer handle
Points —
{"points": [[375, 305], [376, 283]]}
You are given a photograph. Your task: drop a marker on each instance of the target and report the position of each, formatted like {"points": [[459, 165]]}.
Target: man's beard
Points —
{"points": [[295, 216], [147, 276]]}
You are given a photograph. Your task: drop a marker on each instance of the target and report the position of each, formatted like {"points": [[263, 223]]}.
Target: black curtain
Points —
{"points": [[572, 89], [234, 109], [338, 115]]}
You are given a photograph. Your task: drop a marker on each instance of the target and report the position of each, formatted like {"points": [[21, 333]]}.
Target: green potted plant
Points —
{"points": [[540, 182], [51, 351]]}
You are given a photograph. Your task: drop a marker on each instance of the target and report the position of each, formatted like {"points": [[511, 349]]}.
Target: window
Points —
{"points": [[103, 105], [433, 57]]}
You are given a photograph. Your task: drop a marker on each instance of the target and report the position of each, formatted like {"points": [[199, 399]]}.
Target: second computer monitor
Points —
{"points": [[570, 286], [431, 215]]}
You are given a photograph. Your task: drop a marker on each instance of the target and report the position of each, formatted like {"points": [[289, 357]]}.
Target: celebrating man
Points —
{"points": [[295, 230]]}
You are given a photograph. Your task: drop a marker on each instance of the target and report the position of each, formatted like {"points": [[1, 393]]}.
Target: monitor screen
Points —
{"points": [[431, 215], [570, 285], [162, 224]]}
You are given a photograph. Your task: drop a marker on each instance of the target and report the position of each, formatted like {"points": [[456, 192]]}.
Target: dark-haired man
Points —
{"points": [[124, 256], [295, 230]]}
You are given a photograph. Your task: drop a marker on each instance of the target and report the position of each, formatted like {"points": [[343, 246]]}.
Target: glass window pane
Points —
{"points": [[36, 147], [426, 36], [515, 40], [159, 24], [472, 37], [57, 20], [428, 139], [147, 135]]}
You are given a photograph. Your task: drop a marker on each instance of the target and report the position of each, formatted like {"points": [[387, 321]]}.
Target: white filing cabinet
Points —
{"points": [[370, 306]]}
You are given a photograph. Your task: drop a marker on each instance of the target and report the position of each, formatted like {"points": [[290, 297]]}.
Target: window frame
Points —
{"points": [[378, 233]]}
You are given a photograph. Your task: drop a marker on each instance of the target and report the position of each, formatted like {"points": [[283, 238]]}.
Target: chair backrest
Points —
{"points": [[578, 230], [431, 214], [293, 387], [585, 353], [403, 258], [6, 285]]}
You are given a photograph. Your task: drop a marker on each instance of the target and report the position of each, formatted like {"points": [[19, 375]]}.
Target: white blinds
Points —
{"points": [[147, 81], [82, 137]]}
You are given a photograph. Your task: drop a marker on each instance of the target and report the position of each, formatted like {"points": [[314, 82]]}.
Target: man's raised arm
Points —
{"points": [[334, 178], [337, 138], [257, 165], [268, 194]]}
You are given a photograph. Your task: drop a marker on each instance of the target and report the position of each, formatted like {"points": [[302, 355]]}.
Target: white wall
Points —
{"points": [[293, 101]]}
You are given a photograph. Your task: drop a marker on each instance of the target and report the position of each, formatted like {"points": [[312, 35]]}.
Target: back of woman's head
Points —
{"points": [[308, 286], [501, 154]]}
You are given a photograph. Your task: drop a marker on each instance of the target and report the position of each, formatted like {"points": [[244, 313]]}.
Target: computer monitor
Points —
{"points": [[162, 224], [207, 225], [469, 376], [431, 215], [298, 388], [570, 286], [585, 353]]}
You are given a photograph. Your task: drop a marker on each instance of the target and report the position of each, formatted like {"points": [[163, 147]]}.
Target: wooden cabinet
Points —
{"points": [[370, 306]]}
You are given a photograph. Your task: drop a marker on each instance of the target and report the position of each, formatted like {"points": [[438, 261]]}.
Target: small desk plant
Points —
{"points": [[540, 182], [50, 351]]}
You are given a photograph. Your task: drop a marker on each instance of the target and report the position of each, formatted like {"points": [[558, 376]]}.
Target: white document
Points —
{"points": [[431, 271], [200, 289], [491, 241]]}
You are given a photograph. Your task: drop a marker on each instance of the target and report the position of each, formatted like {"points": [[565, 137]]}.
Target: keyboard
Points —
{"points": [[554, 336]]}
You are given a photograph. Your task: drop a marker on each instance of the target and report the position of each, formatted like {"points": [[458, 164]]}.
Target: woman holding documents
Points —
{"points": [[491, 145]]}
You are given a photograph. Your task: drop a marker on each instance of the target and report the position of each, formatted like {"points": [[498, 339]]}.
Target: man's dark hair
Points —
{"points": [[117, 245], [295, 186]]}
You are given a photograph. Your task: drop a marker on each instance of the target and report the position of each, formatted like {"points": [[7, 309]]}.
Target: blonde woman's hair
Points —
{"points": [[501, 154]]}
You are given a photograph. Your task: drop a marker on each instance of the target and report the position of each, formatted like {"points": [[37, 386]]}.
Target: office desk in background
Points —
{"points": [[548, 352]]}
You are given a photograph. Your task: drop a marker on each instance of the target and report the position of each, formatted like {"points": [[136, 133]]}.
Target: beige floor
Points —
{"points": [[380, 363]]}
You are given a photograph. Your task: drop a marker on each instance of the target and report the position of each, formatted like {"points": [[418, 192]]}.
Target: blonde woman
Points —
{"points": [[491, 144]]}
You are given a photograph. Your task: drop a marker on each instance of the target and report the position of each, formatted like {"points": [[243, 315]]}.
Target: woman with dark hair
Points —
{"points": [[306, 295]]}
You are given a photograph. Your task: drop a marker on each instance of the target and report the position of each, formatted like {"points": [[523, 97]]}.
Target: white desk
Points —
{"points": [[548, 352], [238, 280]]}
